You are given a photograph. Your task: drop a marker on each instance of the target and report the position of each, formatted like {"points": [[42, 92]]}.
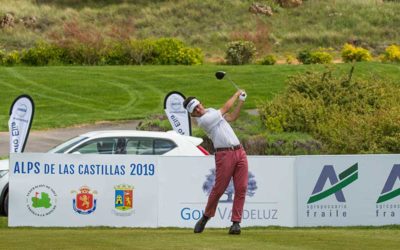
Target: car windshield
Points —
{"points": [[67, 145]]}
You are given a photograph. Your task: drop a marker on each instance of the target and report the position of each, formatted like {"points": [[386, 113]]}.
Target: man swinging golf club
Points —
{"points": [[230, 157]]}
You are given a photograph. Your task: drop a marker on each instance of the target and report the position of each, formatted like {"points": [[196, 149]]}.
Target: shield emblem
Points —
{"points": [[84, 201], [123, 198], [128, 198]]}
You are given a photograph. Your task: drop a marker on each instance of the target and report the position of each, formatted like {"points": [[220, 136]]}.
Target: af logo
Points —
{"points": [[388, 191], [123, 200], [346, 177], [84, 201]]}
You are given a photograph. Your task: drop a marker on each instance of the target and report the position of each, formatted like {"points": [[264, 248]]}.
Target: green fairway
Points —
{"points": [[70, 95], [173, 238]]}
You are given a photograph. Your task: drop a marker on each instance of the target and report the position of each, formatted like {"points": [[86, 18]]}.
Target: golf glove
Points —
{"points": [[243, 96]]}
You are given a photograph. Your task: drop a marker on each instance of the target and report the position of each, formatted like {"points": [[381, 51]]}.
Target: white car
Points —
{"points": [[130, 142]]}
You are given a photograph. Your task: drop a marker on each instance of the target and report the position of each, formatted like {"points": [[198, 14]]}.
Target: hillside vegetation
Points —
{"points": [[206, 24]]}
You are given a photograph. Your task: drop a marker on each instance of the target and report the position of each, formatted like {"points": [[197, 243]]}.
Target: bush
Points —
{"points": [[392, 54], [2, 55], [171, 51], [12, 58], [347, 116], [141, 51], [351, 53], [290, 59], [117, 54], [40, 55], [304, 57], [240, 52], [320, 56], [138, 52], [166, 51], [190, 56], [268, 60]]}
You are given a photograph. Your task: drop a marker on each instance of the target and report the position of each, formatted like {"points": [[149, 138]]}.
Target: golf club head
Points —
{"points": [[220, 74]]}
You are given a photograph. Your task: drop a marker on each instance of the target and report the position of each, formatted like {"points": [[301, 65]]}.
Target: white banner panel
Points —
{"points": [[348, 190], [185, 181], [83, 190], [19, 124], [177, 115]]}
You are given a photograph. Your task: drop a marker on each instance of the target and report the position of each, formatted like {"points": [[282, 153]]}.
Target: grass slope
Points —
{"points": [[210, 24], [66, 96], [173, 238]]}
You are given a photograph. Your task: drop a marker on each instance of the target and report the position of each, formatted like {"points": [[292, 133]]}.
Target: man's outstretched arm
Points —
{"points": [[228, 105]]}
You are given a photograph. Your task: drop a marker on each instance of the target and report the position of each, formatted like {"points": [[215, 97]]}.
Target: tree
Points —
{"points": [[230, 191]]}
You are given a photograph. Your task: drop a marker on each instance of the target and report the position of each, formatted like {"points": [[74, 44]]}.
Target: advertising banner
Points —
{"points": [[348, 190], [185, 183], [177, 115], [172, 191], [83, 190], [19, 124]]}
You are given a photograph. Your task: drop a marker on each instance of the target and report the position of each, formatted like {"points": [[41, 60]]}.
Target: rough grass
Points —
{"points": [[211, 24], [175, 238]]}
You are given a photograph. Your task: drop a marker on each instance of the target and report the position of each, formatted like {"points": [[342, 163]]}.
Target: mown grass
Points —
{"points": [[66, 96], [176, 238], [211, 24]]}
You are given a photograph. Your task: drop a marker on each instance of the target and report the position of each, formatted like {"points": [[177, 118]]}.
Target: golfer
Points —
{"points": [[230, 157]]}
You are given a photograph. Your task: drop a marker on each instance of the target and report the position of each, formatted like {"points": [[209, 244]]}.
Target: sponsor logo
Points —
{"points": [[225, 213], [230, 190], [176, 104], [347, 177], [337, 183], [41, 200], [21, 110], [123, 200], [254, 211], [387, 192], [386, 205], [84, 201]]}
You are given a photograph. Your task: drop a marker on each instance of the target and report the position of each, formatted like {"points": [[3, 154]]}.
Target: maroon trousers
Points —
{"points": [[230, 163]]}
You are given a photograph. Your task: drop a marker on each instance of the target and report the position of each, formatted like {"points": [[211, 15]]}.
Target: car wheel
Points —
{"points": [[6, 205]]}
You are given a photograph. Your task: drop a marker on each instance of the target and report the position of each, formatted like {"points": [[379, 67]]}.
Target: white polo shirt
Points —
{"points": [[218, 129]]}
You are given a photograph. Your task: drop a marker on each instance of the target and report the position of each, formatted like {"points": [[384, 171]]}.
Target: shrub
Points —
{"points": [[347, 116], [240, 52], [166, 51], [117, 54], [304, 57], [12, 58], [268, 60], [351, 53], [141, 51], [171, 51], [290, 59], [2, 55], [190, 56], [41, 54], [320, 56], [392, 54]]}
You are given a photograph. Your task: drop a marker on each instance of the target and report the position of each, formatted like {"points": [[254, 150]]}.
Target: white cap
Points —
{"points": [[192, 105]]}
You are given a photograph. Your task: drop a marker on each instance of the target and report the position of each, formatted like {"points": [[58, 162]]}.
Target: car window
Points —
{"points": [[162, 146], [98, 146], [148, 146], [139, 146], [67, 145]]}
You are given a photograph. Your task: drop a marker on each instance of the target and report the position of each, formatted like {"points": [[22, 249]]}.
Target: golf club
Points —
{"points": [[221, 74]]}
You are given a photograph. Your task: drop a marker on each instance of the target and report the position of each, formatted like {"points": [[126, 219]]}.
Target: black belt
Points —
{"points": [[229, 148]]}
